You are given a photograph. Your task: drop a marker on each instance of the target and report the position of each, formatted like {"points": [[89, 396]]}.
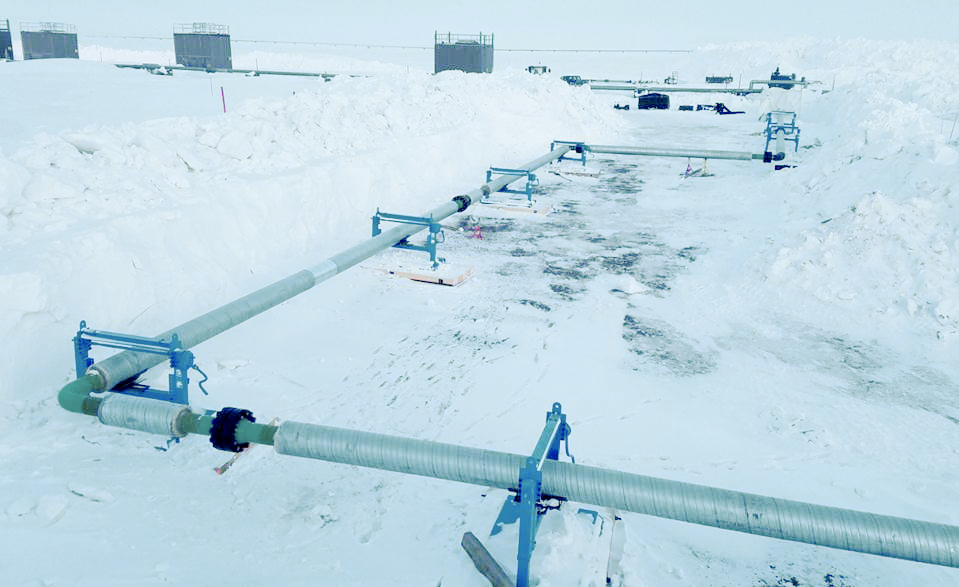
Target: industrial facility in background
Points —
{"points": [[785, 82], [203, 45], [6, 41], [469, 53], [48, 40]]}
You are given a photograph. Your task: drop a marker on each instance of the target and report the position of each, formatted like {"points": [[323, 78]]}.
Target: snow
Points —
{"points": [[786, 333]]}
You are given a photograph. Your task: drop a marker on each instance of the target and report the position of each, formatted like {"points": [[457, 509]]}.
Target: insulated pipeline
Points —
{"points": [[402, 455], [138, 413], [730, 510], [695, 153], [755, 514], [130, 364], [843, 529]]}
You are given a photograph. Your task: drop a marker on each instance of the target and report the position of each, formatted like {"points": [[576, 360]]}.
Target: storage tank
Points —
{"points": [[202, 44], [470, 53], [49, 40]]}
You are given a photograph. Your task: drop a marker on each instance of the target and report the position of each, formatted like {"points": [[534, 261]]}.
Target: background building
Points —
{"points": [[202, 44], [49, 40], [6, 41], [470, 53]]}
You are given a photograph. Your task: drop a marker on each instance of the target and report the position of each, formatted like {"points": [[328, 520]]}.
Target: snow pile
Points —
{"points": [[883, 257], [912, 70], [136, 225], [872, 219]]}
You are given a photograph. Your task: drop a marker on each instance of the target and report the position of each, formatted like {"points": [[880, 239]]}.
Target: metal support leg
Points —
{"points": [[531, 484], [530, 491], [180, 361], [81, 351]]}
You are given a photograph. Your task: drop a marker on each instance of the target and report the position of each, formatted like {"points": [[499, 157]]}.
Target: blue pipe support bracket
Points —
{"points": [[435, 236], [579, 148], [780, 124], [531, 180], [181, 361]]}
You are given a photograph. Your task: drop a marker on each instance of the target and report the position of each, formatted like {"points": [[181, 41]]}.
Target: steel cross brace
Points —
{"points": [[434, 237], [531, 484], [579, 148], [181, 361], [531, 180]]}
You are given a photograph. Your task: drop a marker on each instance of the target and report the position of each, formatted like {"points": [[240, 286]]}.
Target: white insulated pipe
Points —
{"points": [[720, 508], [694, 153], [843, 529]]}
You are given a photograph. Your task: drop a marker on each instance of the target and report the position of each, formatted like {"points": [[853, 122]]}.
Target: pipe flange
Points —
{"points": [[463, 202], [223, 431]]}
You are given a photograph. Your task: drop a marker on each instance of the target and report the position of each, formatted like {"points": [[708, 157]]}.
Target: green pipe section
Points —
{"points": [[75, 396], [251, 432], [191, 423]]}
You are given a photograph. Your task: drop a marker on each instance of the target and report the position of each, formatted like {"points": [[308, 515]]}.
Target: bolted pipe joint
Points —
{"points": [[223, 431], [463, 202]]}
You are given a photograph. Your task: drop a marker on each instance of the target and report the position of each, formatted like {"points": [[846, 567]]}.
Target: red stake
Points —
{"points": [[223, 96]]}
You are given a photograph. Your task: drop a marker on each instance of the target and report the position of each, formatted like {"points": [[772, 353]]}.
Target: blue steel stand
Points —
{"points": [[181, 361], [435, 236], [780, 121], [530, 491], [579, 148], [531, 181]]}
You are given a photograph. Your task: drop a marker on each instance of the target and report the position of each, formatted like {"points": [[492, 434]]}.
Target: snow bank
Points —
{"points": [[140, 226], [871, 213], [883, 257]]}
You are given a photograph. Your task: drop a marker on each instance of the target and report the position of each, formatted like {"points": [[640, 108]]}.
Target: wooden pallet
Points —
{"points": [[452, 277], [449, 274], [541, 209]]}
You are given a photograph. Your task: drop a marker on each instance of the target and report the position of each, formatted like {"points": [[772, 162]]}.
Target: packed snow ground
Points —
{"points": [[790, 334]]}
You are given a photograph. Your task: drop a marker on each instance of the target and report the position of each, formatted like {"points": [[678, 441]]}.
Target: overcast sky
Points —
{"points": [[558, 24]]}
